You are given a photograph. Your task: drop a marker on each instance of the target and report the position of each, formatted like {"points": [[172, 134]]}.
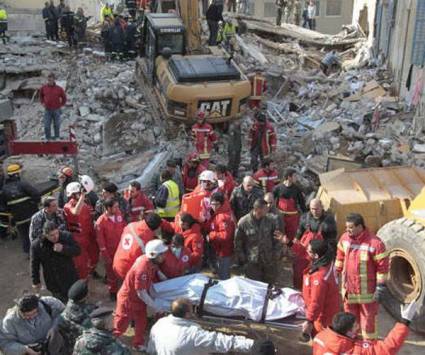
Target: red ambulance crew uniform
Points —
{"points": [[267, 179], [138, 204], [129, 306], [108, 234], [268, 138], [204, 137], [363, 263]]}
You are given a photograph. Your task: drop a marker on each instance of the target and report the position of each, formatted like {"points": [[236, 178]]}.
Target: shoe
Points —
{"points": [[113, 296], [139, 348]]}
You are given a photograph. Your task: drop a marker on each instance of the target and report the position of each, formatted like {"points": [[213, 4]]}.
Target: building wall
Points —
{"points": [[325, 24], [358, 6]]}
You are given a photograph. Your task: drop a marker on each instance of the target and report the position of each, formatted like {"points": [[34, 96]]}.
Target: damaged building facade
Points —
{"points": [[396, 31]]}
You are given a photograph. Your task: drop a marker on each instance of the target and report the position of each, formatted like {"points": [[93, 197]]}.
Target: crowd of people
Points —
{"points": [[62, 23], [191, 217]]}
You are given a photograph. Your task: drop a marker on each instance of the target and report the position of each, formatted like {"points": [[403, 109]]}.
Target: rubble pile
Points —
{"points": [[347, 119]]}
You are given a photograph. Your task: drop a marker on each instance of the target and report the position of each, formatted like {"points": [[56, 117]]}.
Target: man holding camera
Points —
{"points": [[30, 327]]}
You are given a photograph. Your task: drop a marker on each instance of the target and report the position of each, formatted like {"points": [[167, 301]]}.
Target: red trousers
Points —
{"points": [[299, 265], [82, 262], [111, 278], [93, 251], [125, 312], [291, 225], [366, 315]]}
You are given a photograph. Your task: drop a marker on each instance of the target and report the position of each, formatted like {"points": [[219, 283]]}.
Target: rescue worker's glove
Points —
{"points": [[379, 292], [408, 312]]}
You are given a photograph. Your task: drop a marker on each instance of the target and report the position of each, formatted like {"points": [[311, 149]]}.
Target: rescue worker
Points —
{"points": [[117, 38], [267, 177], [226, 183], [330, 62], [133, 297], [256, 248], [262, 139], [65, 176], [320, 288], [106, 10], [220, 236], [110, 191], [173, 266], [193, 241], [234, 147], [68, 25], [79, 221], [30, 326], [54, 252], [226, 35], [204, 137], [80, 21], [55, 19], [167, 199], [109, 227], [49, 212], [363, 263], [138, 202], [99, 338], [75, 318], [214, 14], [258, 88], [243, 197], [181, 252], [186, 337], [191, 171], [281, 7], [172, 166], [308, 230], [340, 337], [290, 201], [131, 36], [22, 202], [3, 25], [105, 33], [133, 241]]}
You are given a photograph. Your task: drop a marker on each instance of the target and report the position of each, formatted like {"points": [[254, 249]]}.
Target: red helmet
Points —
{"points": [[67, 171], [201, 114]]}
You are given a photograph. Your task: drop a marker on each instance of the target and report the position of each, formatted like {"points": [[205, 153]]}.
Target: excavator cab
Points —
{"points": [[161, 31]]}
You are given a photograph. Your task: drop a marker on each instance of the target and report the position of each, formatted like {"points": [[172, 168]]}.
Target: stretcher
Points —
{"points": [[235, 301]]}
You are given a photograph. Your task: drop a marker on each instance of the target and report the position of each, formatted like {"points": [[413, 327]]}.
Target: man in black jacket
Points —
{"points": [[243, 197], [68, 25], [54, 252], [214, 15]]}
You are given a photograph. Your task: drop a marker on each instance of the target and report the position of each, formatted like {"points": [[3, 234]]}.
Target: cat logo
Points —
{"points": [[216, 108]]}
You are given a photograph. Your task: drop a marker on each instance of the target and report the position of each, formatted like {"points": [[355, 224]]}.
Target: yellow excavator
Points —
{"points": [[184, 77], [392, 201]]}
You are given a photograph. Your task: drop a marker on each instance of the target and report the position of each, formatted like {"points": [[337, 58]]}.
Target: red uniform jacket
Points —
{"points": [[108, 234], [172, 266], [321, 296], [141, 276], [81, 226], [363, 262], [222, 231], [138, 204], [267, 179], [190, 177], [132, 244], [266, 134], [228, 186], [330, 343], [193, 241], [204, 137], [52, 97]]}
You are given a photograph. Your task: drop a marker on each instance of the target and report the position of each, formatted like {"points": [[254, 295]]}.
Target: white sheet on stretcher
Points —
{"points": [[237, 296]]}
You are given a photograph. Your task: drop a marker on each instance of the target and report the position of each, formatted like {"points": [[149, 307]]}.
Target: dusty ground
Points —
{"points": [[15, 279]]}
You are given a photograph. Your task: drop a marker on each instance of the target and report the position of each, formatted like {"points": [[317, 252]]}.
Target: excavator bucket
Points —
{"points": [[379, 194]]}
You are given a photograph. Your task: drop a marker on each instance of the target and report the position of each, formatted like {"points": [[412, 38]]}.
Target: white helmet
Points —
{"points": [[73, 188], [208, 175], [87, 182], [154, 248]]}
